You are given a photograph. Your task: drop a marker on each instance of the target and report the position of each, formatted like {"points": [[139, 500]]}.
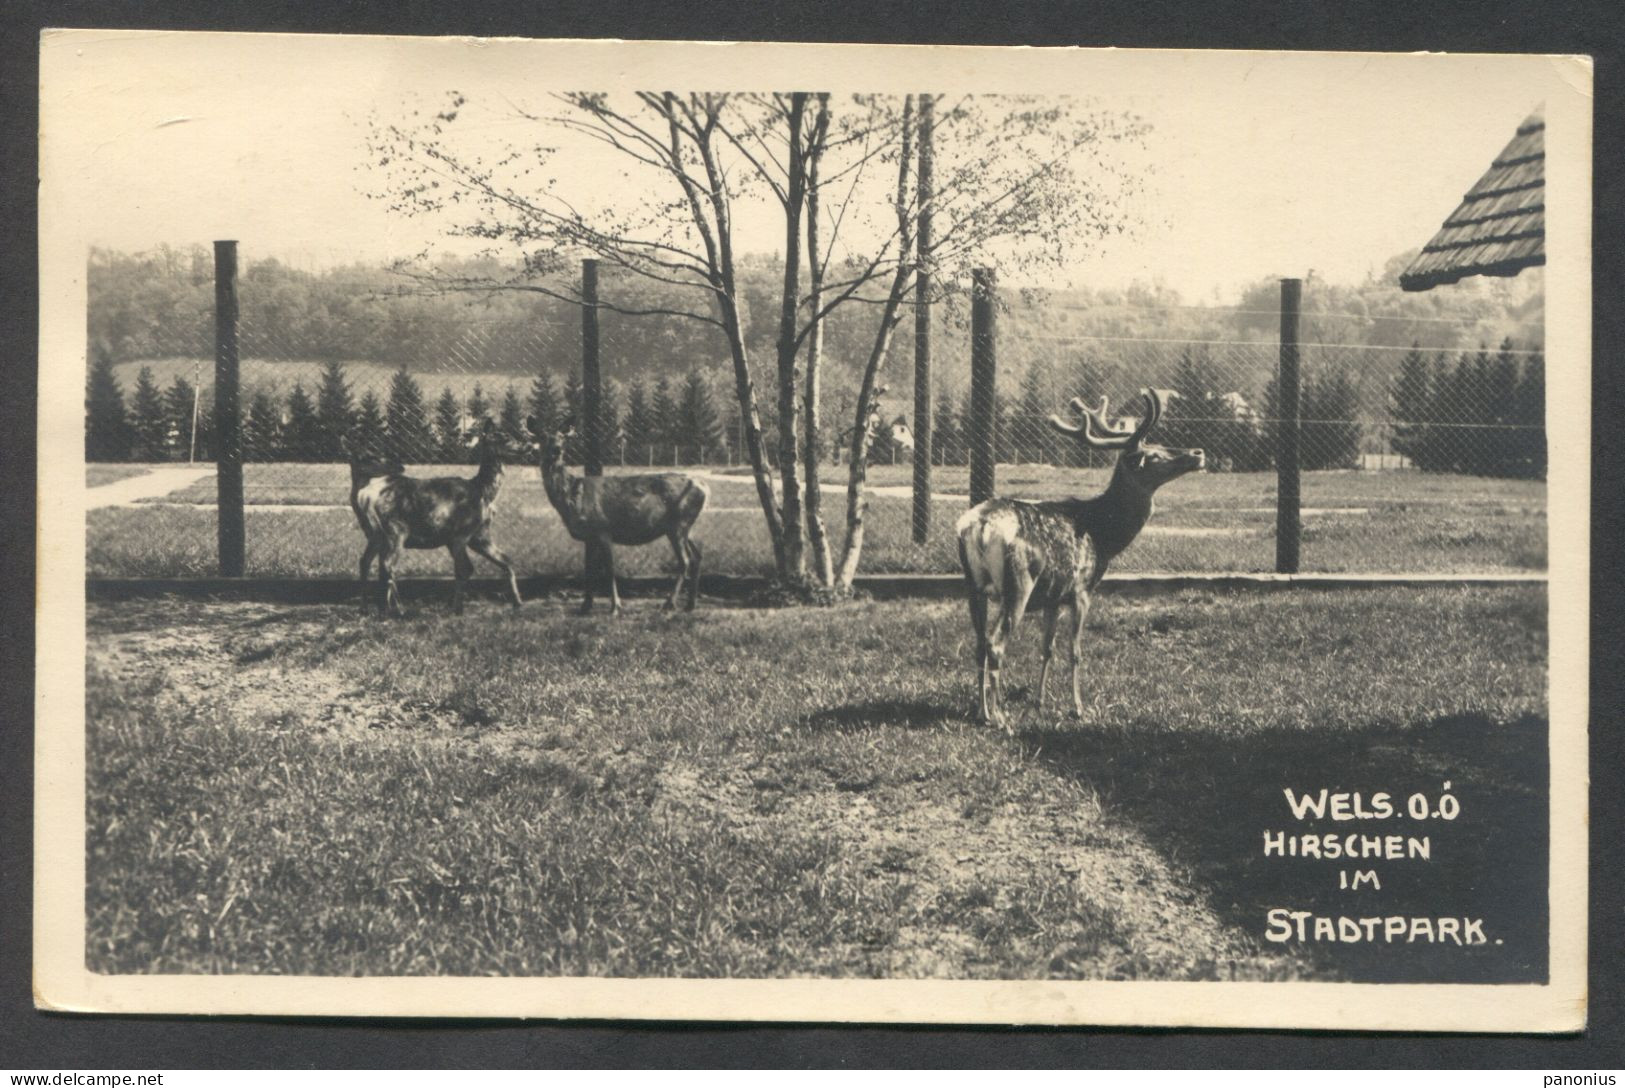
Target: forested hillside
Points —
{"points": [[355, 330]]}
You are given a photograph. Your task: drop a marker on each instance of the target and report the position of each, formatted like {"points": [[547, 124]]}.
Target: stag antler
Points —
{"points": [[1101, 433]]}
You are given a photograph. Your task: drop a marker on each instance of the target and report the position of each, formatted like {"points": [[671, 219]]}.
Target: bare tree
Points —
{"points": [[1010, 186], [1019, 182], [684, 238]]}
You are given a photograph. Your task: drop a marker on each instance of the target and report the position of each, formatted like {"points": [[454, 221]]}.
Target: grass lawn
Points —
{"points": [[1353, 521], [799, 792]]}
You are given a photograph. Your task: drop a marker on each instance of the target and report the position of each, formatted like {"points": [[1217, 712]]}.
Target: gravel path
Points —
{"points": [[155, 484]]}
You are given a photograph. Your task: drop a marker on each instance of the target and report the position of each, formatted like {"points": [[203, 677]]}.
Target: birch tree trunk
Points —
{"points": [[751, 425], [823, 566], [857, 473], [793, 565], [863, 425]]}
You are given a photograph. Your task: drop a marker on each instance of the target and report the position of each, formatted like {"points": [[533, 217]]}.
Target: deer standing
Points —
{"points": [[399, 511], [626, 510], [1016, 553]]}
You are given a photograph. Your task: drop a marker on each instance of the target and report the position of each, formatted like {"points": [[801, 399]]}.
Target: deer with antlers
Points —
{"points": [[399, 511], [625, 510], [1017, 553]]}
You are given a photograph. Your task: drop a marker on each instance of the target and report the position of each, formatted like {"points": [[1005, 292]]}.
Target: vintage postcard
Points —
{"points": [[643, 530]]}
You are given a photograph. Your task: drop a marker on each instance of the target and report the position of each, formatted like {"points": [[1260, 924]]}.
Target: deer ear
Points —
{"points": [[534, 426]]}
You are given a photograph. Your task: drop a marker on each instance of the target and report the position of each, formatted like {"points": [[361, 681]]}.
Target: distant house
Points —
{"points": [[1500, 227]]}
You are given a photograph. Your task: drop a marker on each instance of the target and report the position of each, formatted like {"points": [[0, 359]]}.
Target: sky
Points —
{"points": [[1262, 164]]}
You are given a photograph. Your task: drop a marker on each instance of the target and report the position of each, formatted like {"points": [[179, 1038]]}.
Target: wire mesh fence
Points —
{"points": [[1413, 458]]}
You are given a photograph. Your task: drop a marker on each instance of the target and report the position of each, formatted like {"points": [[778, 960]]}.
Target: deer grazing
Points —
{"points": [[625, 510], [1017, 553], [399, 511]]}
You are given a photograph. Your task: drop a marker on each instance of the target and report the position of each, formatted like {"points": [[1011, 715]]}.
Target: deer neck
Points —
{"points": [[565, 499], [1116, 517], [489, 477]]}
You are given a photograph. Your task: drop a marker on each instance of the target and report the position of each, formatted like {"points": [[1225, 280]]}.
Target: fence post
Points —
{"points": [[983, 378], [924, 408], [1288, 520], [228, 414], [591, 400]]}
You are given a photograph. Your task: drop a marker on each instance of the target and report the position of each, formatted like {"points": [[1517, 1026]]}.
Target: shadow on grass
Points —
{"points": [[1206, 801]]}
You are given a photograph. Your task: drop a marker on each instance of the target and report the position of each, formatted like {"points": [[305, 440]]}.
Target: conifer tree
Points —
{"points": [[640, 423], [262, 432], [511, 419], [663, 408], [1473, 394], [179, 407], [572, 397], [1529, 416], [407, 420], [1331, 428], [368, 430], [1192, 419], [302, 438], [573, 447], [107, 431], [151, 420], [544, 401], [206, 448], [609, 424], [1032, 439], [1003, 448], [1410, 405], [448, 428], [479, 408], [1441, 446], [1504, 455], [335, 412], [698, 425]]}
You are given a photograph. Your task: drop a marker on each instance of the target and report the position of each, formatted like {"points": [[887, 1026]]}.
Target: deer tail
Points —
{"points": [[982, 548], [693, 498]]}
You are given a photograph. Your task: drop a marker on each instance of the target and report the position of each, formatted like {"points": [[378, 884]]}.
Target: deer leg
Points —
{"points": [[388, 598], [1014, 610], [978, 621], [997, 631], [1080, 612], [1052, 616], [693, 547], [589, 572], [462, 566], [496, 555], [682, 568], [609, 569], [366, 569]]}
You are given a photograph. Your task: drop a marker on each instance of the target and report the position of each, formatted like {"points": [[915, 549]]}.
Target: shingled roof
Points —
{"points": [[1500, 227]]}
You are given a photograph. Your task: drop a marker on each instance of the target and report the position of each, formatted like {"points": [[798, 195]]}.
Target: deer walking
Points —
{"points": [[399, 511], [626, 510], [1017, 553]]}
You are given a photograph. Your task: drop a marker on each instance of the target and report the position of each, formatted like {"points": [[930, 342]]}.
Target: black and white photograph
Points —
{"points": [[655, 530]]}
